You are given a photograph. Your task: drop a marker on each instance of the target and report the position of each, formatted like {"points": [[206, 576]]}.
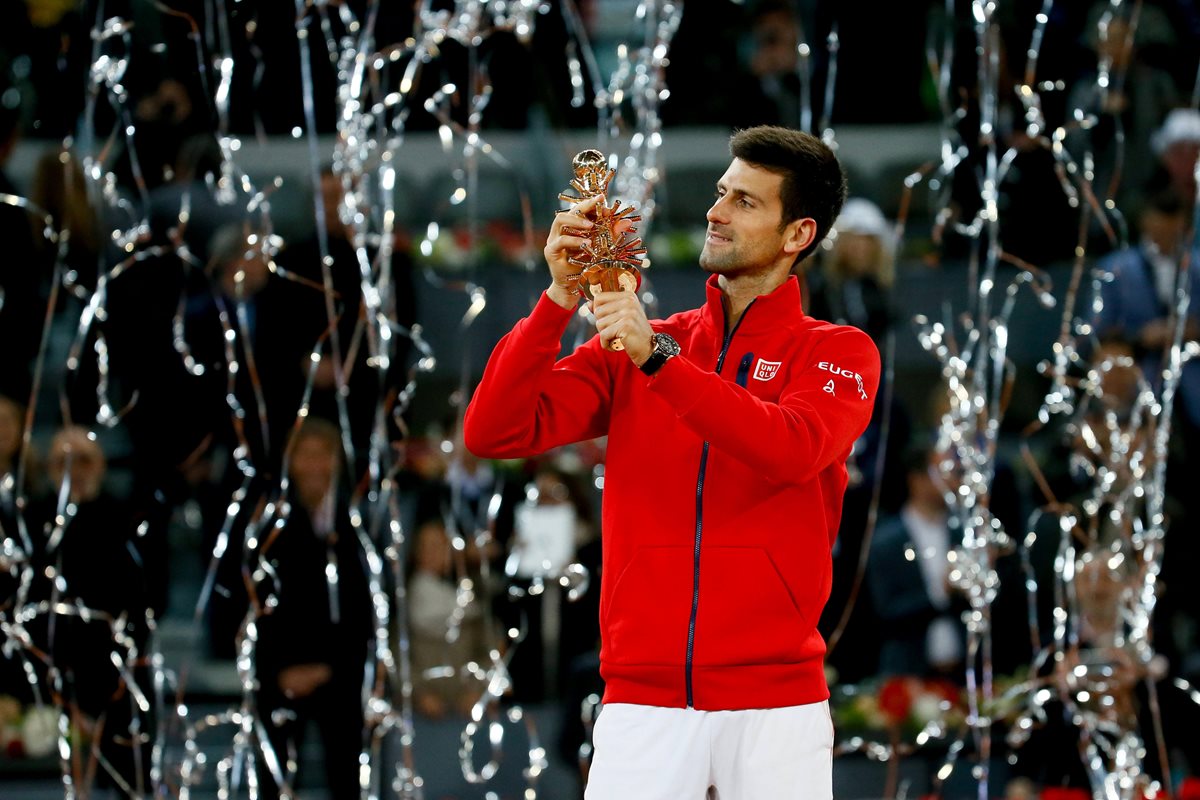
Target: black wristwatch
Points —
{"points": [[664, 347]]}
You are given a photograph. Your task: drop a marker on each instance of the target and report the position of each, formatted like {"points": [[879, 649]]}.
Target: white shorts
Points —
{"points": [[652, 753]]}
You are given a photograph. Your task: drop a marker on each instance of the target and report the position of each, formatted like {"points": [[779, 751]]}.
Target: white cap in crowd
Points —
{"points": [[1181, 125], [862, 216]]}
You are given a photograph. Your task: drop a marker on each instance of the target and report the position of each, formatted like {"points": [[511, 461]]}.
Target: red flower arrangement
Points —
{"points": [[1063, 793], [896, 699], [901, 704]]}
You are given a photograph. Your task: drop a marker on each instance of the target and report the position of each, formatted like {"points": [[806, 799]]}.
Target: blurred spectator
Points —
{"points": [[442, 683], [470, 482], [551, 527], [1106, 577], [246, 292], [853, 286], [1037, 222], [706, 90], [90, 546], [76, 457], [193, 175], [242, 295], [773, 83], [1177, 146], [702, 72], [169, 378], [1112, 690], [239, 294], [854, 283], [908, 578], [49, 43], [881, 77], [12, 421], [59, 189], [1128, 107], [166, 115], [308, 320], [313, 645], [20, 280], [1116, 360], [1138, 309], [474, 498], [1080, 464], [1140, 298]]}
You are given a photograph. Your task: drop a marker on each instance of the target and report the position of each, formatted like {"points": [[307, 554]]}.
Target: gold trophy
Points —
{"points": [[609, 260]]}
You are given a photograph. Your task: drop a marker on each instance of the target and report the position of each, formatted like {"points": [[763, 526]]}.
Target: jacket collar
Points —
{"points": [[766, 312]]}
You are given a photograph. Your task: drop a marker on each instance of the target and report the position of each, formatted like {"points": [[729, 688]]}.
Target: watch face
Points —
{"points": [[666, 345]]}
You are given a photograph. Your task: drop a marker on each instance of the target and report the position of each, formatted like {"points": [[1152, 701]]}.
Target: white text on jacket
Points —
{"points": [[845, 373]]}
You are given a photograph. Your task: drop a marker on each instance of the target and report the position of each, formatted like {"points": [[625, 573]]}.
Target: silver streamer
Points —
{"points": [[1116, 534], [1113, 540], [376, 89], [640, 81], [628, 104]]}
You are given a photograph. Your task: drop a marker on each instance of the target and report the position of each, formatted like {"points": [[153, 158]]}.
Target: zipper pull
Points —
{"points": [[743, 372]]}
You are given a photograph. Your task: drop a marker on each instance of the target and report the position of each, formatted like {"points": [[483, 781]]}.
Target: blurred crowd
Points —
{"points": [[225, 346]]}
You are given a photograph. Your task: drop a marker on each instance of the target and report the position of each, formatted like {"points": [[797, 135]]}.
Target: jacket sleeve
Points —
{"points": [[527, 402], [823, 409]]}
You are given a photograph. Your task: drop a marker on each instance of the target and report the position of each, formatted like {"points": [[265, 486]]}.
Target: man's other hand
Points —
{"points": [[301, 680], [569, 232], [619, 315]]}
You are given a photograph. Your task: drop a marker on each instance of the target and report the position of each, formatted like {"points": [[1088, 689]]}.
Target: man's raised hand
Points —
{"points": [[569, 232]]}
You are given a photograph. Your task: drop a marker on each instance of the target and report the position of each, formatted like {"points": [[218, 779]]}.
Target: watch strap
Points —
{"points": [[664, 348]]}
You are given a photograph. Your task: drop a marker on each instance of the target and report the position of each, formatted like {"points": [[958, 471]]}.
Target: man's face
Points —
{"points": [[551, 491], [314, 464], [86, 459], [10, 430], [252, 273], [858, 254], [1164, 230], [774, 45], [1180, 162], [1117, 45], [433, 549], [744, 235], [331, 195]]}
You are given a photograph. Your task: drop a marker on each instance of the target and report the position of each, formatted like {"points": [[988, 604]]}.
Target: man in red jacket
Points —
{"points": [[728, 428]]}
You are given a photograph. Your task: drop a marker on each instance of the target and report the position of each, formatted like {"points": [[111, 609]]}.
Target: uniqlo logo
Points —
{"points": [[766, 370]]}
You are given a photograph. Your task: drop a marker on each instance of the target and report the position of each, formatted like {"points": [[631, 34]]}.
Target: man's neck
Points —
{"points": [[931, 512], [739, 291]]}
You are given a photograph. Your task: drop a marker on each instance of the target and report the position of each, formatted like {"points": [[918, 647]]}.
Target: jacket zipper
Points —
{"points": [[691, 640], [743, 373]]}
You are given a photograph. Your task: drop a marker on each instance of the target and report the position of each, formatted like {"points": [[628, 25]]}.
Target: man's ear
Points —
{"points": [[801, 234]]}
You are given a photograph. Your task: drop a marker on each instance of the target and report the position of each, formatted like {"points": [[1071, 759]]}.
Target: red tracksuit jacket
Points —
{"points": [[723, 488]]}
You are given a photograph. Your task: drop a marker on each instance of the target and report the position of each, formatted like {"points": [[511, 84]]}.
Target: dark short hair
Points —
{"points": [[10, 111], [915, 456], [814, 185], [765, 8], [1166, 202], [199, 155], [228, 245], [323, 430]]}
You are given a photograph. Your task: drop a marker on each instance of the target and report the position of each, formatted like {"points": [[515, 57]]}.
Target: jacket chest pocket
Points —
{"points": [[760, 376]]}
